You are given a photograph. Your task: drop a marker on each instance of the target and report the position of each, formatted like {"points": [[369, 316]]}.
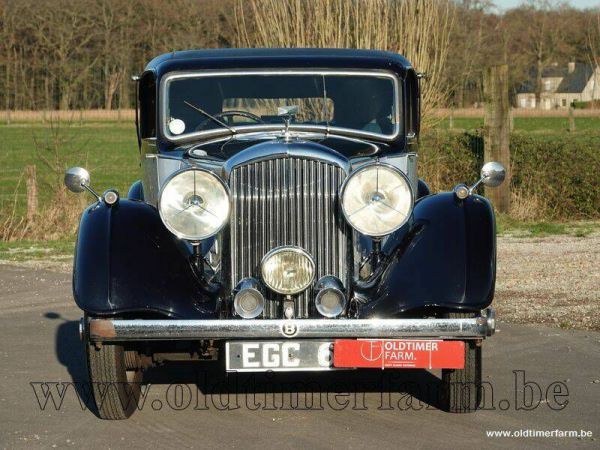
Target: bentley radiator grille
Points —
{"points": [[287, 201]]}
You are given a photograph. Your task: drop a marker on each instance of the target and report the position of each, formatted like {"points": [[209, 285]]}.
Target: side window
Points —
{"points": [[412, 104], [147, 97]]}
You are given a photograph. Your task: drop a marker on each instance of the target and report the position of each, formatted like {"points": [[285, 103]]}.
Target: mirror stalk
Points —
{"points": [[492, 175], [88, 188]]}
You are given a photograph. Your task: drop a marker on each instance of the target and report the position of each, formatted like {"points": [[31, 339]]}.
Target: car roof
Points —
{"points": [[267, 58]]}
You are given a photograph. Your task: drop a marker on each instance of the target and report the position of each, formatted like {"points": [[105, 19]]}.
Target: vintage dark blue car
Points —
{"points": [[280, 224]]}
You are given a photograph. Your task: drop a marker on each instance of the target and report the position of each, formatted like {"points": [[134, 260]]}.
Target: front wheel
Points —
{"points": [[461, 388], [115, 389]]}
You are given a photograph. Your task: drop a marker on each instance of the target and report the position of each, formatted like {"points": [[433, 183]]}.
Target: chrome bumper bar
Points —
{"points": [[148, 330]]}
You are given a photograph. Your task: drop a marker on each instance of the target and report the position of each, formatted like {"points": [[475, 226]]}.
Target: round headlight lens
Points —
{"points": [[194, 204], [288, 270], [377, 199]]}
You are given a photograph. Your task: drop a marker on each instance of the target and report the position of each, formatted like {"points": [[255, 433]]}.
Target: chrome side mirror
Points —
{"points": [[77, 180], [493, 174]]}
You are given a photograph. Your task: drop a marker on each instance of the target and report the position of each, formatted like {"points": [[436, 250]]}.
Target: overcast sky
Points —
{"points": [[507, 4]]}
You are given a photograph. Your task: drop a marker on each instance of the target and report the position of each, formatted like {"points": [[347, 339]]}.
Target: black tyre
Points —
{"points": [[116, 390], [461, 389]]}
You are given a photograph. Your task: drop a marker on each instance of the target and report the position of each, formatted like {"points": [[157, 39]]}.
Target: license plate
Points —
{"points": [[261, 356], [399, 353]]}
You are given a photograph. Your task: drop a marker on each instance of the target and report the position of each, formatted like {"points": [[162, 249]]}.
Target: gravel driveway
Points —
{"points": [[553, 280]]}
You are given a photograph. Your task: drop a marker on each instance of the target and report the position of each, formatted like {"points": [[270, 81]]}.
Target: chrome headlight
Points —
{"points": [[377, 199], [288, 270], [194, 204]]}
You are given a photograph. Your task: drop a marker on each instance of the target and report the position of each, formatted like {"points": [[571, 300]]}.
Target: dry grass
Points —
{"points": [[516, 112], [81, 115], [57, 217], [56, 220], [527, 206], [102, 115]]}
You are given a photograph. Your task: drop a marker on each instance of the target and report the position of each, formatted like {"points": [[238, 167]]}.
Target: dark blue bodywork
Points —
{"points": [[128, 264], [126, 261]]}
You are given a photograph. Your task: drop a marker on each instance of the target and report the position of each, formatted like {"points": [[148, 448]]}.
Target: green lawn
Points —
{"points": [[107, 150]]}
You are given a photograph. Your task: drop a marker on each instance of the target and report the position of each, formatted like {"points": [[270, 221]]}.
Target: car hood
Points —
{"points": [[348, 148]]}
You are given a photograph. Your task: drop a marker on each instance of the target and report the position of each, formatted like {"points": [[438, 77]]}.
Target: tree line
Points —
{"points": [[81, 54]]}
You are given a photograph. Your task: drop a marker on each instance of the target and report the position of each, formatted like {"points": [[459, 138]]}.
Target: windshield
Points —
{"points": [[214, 103]]}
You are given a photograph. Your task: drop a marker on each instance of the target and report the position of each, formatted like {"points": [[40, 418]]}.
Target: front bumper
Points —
{"points": [[152, 330]]}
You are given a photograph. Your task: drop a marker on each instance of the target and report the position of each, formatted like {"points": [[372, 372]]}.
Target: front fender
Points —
{"points": [[445, 258], [126, 261]]}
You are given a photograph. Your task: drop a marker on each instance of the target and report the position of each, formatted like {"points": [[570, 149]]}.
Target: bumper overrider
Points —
{"points": [[103, 330]]}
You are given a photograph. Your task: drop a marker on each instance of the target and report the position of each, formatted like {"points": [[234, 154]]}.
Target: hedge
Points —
{"points": [[555, 177]]}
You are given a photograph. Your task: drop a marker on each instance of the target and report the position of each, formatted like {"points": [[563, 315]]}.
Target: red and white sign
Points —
{"points": [[399, 353]]}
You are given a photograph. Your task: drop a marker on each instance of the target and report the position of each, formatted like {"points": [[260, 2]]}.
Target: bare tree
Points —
{"points": [[418, 29], [111, 20], [65, 30], [593, 41], [475, 39], [81, 53], [539, 37]]}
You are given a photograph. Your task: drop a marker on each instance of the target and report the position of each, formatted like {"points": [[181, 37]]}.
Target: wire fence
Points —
{"points": [[81, 115], [518, 112], [128, 115]]}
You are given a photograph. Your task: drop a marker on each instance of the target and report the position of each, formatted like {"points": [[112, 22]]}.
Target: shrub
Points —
{"points": [[585, 105], [553, 177]]}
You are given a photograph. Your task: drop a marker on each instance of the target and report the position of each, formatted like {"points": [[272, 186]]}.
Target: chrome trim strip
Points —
{"points": [[156, 169], [268, 150], [147, 330], [163, 99]]}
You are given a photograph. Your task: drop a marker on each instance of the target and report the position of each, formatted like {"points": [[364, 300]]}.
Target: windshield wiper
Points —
{"points": [[211, 117]]}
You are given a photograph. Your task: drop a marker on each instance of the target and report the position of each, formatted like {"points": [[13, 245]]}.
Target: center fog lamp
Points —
{"points": [[377, 199], [288, 270], [194, 204]]}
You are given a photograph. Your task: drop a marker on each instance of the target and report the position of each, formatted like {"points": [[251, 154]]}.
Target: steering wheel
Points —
{"points": [[227, 115]]}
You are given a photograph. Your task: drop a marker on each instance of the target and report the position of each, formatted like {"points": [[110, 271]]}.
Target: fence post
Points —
{"points": [[571, 119], [451, 119], [32, 193], [496, 138]]}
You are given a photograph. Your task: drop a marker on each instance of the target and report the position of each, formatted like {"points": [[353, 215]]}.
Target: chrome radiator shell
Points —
{"points": [[288, 200]]}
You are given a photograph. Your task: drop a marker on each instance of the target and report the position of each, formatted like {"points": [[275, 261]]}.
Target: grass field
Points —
{"points": [[107, 150]]}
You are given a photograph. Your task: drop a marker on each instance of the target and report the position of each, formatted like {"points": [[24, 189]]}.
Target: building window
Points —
{"points": [[564, 102]]}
